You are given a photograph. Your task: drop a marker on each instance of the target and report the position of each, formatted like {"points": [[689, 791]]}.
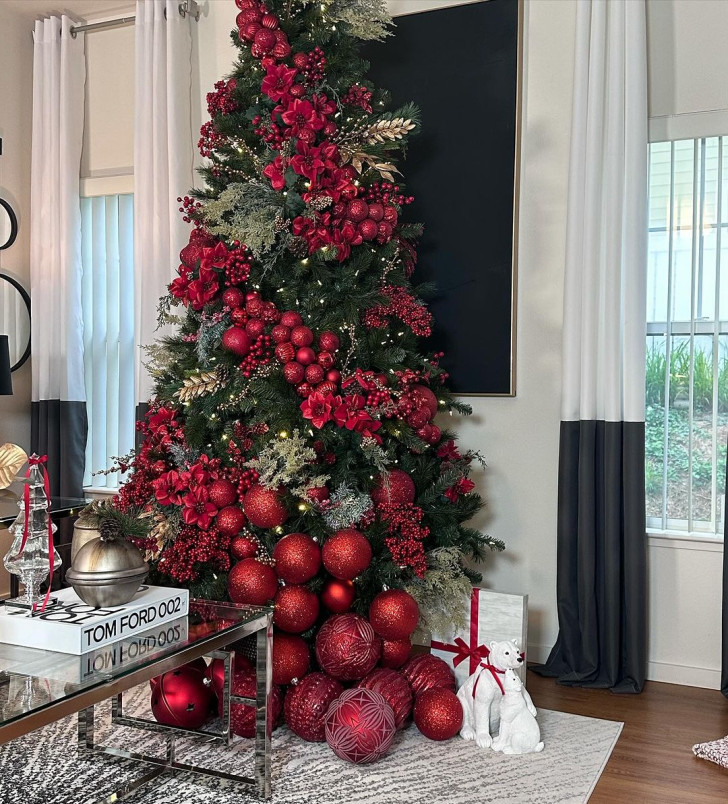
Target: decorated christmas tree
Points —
{"points": [[292, 451]]}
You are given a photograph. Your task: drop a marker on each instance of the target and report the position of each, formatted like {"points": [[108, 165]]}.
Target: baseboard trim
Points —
{"points": [[684, 674]]}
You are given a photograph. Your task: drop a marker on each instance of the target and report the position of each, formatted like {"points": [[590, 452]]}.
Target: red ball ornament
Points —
{"points": [[395, 690], [233, 297], [360, 726], [338, 595], [424, 397], [251, 582], [254, 328], [230, 520], [438, 714], [306, 705], [222, 493], [384, 232], [376, 211], [368, 229], [296, 609], [244, 546], [285, 353], [333, 376], [314, 374], [390, 214], [199, 665], [282, 50], [280, 333], [265, 40], [326, 388], [395, 652], [294, 372], [357, 210], [394, 614], [270, 21], [249, 31], [325, 360], [238, 316], [395, 488], [425, 672], [304, 390], [306, 355], [300, 60], [237, 341], [419, 417], [347, 647], [347, 554], [297, 557], [242, 716], [291, 658], [291, 319], [328, 341], [318, 494], [181, 698], [301, 336], [215, 673], [264, 507]]}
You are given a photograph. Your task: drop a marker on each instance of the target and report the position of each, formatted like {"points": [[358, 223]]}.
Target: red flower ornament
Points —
{"points": [[198, 509]]}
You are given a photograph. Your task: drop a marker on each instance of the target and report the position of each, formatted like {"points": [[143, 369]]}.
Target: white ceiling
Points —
{"points": [[87, 9]]}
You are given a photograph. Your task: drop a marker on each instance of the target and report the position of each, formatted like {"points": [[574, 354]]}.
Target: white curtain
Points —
{"points": [[58, 406], [163, 157]]}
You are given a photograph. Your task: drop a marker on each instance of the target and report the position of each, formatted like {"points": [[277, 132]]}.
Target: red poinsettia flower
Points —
{"points": [[167, 488], [278, 81], [448, 451], [161, 417], [195, 477], [463, 486], [301, 115], [307, 162], [198, 509], [179, 287], [275, 171], [323, 105], [214, 257], [317, 408], [203, 289], [348, 406]]}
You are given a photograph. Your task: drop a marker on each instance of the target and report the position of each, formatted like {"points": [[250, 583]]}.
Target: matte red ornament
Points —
{"points": [[347, 647], [333, 376], [296, 609], [306, 355], [314, 374], [338, 595], [280, 333], [328, 341], [200, 665], [425, 672], [181, 698], [230, 520], [424, 397], [291, 318], [251, 582], [395, 652], [394, 614], [233, 297], [395, 690], [291, 657], [306, 705], [222, 493], [297, 557], [237, 341], [243, 546], [242, 716], [301, 336], [438, 714], [264, 507], [395, 487], [360, 726], [347, 554]]}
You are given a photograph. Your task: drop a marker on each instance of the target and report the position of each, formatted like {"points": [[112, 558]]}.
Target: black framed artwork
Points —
{"points": [[462, 66]]}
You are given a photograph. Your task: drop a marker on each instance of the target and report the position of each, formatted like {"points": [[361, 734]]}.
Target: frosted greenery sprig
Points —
{"points": [[288, 461], [363, 19], [443, 593], [346, 507]]}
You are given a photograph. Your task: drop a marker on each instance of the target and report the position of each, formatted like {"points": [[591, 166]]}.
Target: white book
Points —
{"points": [[72, 626]]}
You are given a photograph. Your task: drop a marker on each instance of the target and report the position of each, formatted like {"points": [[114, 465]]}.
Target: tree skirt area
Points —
{"points": [[43, 767]]}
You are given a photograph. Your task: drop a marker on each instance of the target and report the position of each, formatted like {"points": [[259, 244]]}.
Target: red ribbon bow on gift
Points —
{"points": [[35, 460], [476, 653]]}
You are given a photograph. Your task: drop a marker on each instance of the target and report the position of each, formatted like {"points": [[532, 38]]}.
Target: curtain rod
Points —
{"points": [[186, 7]]}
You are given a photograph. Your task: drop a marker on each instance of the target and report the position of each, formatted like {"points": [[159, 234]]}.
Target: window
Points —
{"points": [[107, 231], [687, 335]]}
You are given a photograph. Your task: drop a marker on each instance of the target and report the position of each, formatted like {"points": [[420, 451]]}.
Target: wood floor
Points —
{"points": [[653, 759]]}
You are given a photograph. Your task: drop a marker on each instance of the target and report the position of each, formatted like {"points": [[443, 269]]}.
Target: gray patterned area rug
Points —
{"points": [[43, 768]]}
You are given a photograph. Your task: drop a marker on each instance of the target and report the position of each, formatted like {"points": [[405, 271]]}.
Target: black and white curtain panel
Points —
{"points": [[58, 409], [601, 541]]}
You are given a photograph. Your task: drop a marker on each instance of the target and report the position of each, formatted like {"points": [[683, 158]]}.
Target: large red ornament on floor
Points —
{"points": [[338, 595], [438, 714], [395, 690], [291, 657], [394, 488], [347, 647], [360, 726], [394, 614], [216, 672], [425, 672], [182, 698], [296, 609], [297, 557], [395, 652], [306, 705], [264, 507], [251, 582], [242, 716], [346, 554]]}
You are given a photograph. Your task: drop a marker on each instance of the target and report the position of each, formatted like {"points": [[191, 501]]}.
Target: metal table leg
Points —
{"points": [[263, 720]]}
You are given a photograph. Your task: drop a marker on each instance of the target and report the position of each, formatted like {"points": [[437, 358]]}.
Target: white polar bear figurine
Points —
{"points": [[481, 693], [519, 732]]}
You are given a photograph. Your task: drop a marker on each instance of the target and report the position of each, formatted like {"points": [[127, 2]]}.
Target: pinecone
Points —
{"points": [[110, 529], [298, 247]]}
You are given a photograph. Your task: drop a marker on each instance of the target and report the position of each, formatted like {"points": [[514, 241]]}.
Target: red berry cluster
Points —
{"points": [[410, 310], [406, 534], [386, 193], [210, 139], [272, 134], [222, 100], [258, 26], [358, 96], [189, 209], [312, 66], [303, 366], [247, 338], [191, 548], [238, 265]]}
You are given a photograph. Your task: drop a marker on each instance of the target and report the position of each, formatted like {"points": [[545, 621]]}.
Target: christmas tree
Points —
{"points": [[290, 452]]}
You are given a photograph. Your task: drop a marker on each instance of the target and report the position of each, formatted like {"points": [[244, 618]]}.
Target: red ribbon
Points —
{"points": [[476, 653], [39, 461], [494, 671]]}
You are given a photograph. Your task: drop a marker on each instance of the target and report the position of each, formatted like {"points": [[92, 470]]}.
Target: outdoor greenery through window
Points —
{"points": [[687, 335]]}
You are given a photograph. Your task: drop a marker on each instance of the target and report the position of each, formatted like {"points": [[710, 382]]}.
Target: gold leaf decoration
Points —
{"points": [[359, 159], [388, 130], [12, 458], [197, 385]]}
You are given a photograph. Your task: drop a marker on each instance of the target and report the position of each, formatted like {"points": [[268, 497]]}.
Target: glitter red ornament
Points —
{"points": [[347, 647], [306, 705], [424, 397], [346, 554], [425, 672], [394, 614], [338, 595], [395, 652], [328, 341], [301, 336], [360, 726], [264, 507], [181, 698], [233, 297], [242, 716], [222, 493], [296, 609], [297, 557], [230, 520], [244, 546], [251, 582], [291, 657], [393, 488], [395, 690], [293, 372], [438, 714], [215, 673], [237, 341]]}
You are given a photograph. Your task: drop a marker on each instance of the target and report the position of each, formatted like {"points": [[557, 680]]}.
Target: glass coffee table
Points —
{"points": [[38, 687]]}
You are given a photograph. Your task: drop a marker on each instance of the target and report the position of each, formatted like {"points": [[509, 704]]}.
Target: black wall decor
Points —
{"points": [[461, 65]]}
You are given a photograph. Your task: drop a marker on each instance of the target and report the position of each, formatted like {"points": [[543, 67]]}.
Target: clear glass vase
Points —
{"points": [[32, 565]]}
